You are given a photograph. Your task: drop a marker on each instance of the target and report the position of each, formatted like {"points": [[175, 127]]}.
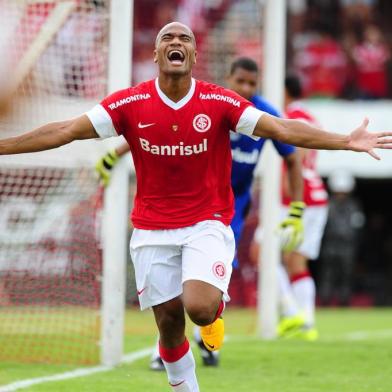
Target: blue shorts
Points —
{"points": [[242, 204]]}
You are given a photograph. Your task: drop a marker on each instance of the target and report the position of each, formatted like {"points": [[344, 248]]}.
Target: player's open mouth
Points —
{"points": [[176, 57]]}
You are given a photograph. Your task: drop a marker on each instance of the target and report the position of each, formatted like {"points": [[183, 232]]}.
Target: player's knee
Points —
{"points": [[201, 314]]}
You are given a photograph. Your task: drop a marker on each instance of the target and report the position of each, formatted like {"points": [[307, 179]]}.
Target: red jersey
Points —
{"points": [[323, 67], [371, 68], [314, 189], [181, 150]]}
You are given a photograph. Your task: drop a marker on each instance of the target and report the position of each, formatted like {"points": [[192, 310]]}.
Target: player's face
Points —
{"points": [[175, 50], [243, 82]]}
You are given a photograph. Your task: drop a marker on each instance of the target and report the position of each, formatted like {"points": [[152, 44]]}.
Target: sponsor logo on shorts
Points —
{"points": [[201, 123], [219, 270]]}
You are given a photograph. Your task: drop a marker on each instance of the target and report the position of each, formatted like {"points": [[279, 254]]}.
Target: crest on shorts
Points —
{"points": [[219, 270], [175, 127], [201, 123]]}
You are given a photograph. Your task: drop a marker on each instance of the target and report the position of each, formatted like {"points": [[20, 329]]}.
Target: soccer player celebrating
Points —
{"points": [[178, 131], [315, 217], [243, 79]]}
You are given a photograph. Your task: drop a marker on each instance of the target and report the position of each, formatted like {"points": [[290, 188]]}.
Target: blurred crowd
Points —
{"points": [[341, 48]]}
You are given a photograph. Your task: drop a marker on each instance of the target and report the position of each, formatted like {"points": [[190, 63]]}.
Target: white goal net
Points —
{"points": [[55, 56]]}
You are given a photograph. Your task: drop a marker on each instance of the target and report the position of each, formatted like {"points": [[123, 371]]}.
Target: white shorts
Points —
{"points": [[165, 259], [315, 218]]}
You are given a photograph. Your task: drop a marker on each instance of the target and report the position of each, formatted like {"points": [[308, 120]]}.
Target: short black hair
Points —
{"points": [[245, 63], [293, 86]]}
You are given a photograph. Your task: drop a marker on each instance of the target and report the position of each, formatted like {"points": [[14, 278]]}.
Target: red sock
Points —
{"points": [[175, 353], [220, 310], [300, 276]]}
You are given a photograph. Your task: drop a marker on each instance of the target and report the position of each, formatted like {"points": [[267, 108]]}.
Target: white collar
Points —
{"points": [[182, 102]]}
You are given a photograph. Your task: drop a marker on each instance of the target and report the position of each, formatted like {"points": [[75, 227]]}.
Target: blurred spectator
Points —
{"points": [[81, 62], [249, 45], [322, 65], [357, 11], [72, 64], [370, 59], [345, 219], [297, 10], [191, 13], [150, 16], [144, 68]]}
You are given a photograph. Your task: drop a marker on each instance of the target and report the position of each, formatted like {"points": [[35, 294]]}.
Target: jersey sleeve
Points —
{"points": [[247, 122], [102, 122], [241, 114], [106, 116], [283, 149]]}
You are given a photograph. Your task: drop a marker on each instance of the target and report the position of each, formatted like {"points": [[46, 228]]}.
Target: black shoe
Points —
{"points": [[156, 364], [210, 358]]}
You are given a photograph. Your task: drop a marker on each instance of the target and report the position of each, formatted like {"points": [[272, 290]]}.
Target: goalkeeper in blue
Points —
{"points": [[243, 79]]}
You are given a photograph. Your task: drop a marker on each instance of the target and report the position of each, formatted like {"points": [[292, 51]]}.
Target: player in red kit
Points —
{"points": [[314, 218], [178, 132]]}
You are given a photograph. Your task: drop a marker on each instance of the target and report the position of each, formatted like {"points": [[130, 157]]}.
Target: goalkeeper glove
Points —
{"points": [[291, 229], [105, 165]]}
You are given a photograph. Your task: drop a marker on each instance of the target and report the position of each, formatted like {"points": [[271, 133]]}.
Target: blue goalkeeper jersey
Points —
{"points": [[246, 152]]}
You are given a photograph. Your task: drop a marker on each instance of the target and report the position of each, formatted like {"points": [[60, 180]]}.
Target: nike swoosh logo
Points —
{"points": [[140, 125], [210, 346], [139, 292], [176, 385]]}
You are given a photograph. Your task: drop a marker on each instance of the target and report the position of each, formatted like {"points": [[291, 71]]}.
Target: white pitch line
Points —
{"points": [[81, 372], [363, 335]]}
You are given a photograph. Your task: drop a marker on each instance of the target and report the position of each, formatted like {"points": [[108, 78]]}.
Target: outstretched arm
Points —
{"points": [[49, 136], [302, 134]]}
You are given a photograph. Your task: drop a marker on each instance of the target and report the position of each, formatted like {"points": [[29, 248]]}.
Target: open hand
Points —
{"points": [[364, 141]]}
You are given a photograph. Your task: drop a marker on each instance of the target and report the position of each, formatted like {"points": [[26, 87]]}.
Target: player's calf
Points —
{"points": [[170, 320]]}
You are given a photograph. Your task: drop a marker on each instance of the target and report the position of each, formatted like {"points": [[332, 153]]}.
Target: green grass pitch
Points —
{"points": [[353, 354]]}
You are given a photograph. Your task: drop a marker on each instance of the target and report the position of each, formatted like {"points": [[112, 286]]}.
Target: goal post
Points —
{"points": [[273, 85], [115, 219]]}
